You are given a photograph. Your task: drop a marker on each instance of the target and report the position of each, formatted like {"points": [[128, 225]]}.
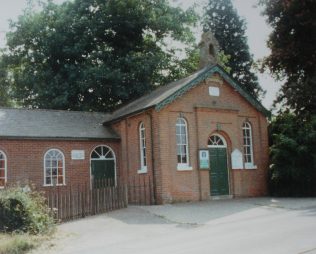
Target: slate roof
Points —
{"points": [[164, 95], [53, 124]]}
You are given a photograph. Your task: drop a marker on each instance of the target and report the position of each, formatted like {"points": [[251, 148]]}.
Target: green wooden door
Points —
{"points": [[103, 170], [218, 172]]}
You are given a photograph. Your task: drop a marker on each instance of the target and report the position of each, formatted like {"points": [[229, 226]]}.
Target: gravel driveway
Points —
{"points": [[257, 225]]}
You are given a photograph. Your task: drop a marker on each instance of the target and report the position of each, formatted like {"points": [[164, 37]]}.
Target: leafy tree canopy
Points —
{"points": [[293, 156], [229, 29], [293, 52], [4, 90], [94, 54]]}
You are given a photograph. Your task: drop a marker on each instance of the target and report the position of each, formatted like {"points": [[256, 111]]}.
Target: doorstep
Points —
{"points": [[220, 197]]}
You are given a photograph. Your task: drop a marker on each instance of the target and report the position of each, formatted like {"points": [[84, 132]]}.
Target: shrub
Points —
{"points": [[24, 211]]}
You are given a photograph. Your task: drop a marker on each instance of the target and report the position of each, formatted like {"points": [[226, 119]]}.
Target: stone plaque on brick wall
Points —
{"points": [[213, 91], [237, 160], [77, 154]]}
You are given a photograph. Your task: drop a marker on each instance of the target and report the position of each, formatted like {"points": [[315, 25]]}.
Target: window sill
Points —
{"points": [[184, 168], [250, 166], [51, 185], [142, 171]]}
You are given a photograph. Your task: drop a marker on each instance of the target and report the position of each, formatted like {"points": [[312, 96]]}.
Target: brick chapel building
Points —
{"points": [[199, 137]]}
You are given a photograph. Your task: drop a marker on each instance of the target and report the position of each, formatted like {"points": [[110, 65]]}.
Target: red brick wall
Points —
{"points": [[25, 160], [203, 113], [128, 129], [130, 147]]}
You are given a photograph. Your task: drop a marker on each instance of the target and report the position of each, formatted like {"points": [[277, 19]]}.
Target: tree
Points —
{"points": [[229, 29], [293, 156], [4, 96], [293, 52], [292, 59], [94, 54]]}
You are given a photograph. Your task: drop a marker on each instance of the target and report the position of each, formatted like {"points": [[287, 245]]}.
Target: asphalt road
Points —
{"points": [[260, 225]]}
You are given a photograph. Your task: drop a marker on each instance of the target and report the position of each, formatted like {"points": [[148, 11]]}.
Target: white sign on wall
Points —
{"points": [[77, 154], [237, 159], [204, 160]]}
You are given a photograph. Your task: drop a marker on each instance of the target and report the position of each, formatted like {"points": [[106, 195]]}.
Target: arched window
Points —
{"points": [[102, 153], [182, 143], [216, 141], [3, 169], [54, 168], [142, 148], [248, 149], [103, 165]]}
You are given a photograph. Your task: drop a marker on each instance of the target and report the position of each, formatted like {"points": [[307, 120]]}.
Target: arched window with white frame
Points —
{"points": [[54, 168], [182, 143], [103, 165], [248, 144], [142, 148], [3, 169]]}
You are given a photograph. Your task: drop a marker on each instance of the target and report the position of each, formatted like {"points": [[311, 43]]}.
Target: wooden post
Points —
{"points": [[68, 204], [139, 192], [150, 192], [126, 195], [79, 203], [134, 186]]}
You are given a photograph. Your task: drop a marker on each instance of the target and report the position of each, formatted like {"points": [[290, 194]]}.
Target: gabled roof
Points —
{"points": [[165, 95], [53, 124]]}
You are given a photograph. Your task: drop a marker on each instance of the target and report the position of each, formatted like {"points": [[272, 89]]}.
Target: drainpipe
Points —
{"points": [[153, 156], [126, 151], [197, 153]]}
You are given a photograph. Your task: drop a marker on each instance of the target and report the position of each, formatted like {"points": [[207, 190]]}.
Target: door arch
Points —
{"points": [[217, 141], [219, 180], [102, 165]]}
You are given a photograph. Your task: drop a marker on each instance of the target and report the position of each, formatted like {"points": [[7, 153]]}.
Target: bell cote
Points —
{"points": [[209, 49]]}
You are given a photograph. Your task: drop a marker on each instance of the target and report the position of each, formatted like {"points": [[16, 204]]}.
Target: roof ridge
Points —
{"points": [[166, 94], [55, 110], [157, 90]]}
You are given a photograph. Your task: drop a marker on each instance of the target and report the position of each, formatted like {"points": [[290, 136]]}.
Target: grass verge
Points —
{"points": [[18, 243]]}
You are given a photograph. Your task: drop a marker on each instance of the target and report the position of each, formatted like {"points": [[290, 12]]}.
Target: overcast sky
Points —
{"points": [[257, 32]]}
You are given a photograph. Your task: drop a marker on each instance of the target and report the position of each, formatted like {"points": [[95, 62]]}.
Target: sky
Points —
{"points": [[257, 33]]}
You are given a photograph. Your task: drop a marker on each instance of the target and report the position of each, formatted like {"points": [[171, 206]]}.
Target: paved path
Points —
{"points": [[260, 225]]}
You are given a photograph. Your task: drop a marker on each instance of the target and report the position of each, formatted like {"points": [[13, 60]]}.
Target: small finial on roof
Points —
{"points": [[209, 49]]}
